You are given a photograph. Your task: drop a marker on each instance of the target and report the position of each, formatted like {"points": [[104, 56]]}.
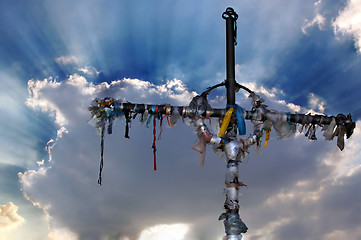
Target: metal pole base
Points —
{"points": [[232, 237]]}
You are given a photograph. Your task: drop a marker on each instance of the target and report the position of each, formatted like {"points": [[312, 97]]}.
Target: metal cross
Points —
{"points": [[232, 118]]}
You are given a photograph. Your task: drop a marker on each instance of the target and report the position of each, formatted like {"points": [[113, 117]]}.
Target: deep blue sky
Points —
{"points": [[182, 40]]}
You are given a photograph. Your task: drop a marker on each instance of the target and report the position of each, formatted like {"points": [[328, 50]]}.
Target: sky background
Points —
{"points": [[56, 56]]}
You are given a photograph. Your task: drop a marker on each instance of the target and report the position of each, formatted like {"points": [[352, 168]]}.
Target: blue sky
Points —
{"points": [[55, 57]]}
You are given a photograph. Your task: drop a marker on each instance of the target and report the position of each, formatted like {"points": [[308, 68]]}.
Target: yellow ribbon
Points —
{"points": [[268, 134], [225, 122]]}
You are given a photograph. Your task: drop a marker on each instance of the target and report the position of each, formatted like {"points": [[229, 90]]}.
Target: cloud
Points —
{"points": [[67, 60], [62, 234], [88, 70], [38, 101], [316, 103], [134, 197], [296, 210], [348, 22], [9, 218], [70, 100], [318, 20], [165, 232]]}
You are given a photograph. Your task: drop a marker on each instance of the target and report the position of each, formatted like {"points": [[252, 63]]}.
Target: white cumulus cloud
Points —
{"points": [[165, 232], [349, 22], [316, 103], [9, 216], [290, 173]]}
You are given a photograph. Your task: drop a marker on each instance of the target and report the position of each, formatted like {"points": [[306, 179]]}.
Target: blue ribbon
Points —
{"points": [[241, 125], [115, 103], [116, 112], [148, 121], [289, 119]]}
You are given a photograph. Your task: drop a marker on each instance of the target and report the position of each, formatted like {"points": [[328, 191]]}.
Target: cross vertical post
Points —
{"points": [[233, 224], [231, 17]]}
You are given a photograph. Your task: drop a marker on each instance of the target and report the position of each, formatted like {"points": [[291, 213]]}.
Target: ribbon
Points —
{"points": [[127, 121], [101, 156], [148, 121], [154, 139], [268, 134], [161, 122], [241, 125], [106, 102], [110, 125], [225, 122], [160, 128]]}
